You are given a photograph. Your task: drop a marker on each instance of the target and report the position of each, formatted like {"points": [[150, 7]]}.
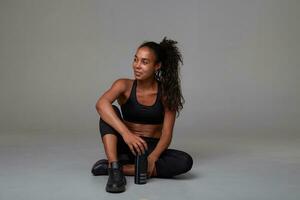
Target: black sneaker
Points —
{"points": [[100, 167], [116, 181]]}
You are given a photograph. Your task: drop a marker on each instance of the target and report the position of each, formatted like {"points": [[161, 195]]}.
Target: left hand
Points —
{"points": [[151, 165]]}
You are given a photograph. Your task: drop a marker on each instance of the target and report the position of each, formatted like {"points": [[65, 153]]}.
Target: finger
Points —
{"points": [[149, 170], [137, 148], [141, 147], [144, 143], [132, 150], [150, 173]]}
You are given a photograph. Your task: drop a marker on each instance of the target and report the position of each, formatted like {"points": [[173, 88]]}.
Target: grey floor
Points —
{"points": [[56, 165]]}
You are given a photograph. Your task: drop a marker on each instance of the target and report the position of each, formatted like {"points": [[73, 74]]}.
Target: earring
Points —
{"points": [[158, 75]]}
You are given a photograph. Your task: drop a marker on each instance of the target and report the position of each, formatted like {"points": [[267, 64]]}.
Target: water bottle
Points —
{"points": [[141, 166]]}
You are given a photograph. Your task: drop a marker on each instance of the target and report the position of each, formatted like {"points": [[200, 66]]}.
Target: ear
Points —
{"points": [[157, 66]]}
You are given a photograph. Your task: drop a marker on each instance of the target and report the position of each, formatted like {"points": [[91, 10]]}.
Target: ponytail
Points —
{"points": [[169, 73]]}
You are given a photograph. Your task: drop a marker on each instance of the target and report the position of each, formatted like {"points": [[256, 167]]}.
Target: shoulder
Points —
{"points": [[122, 83], [117, 90], [123, 86]]}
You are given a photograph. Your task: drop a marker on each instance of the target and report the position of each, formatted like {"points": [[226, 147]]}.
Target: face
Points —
{"points": [[144, 65]]}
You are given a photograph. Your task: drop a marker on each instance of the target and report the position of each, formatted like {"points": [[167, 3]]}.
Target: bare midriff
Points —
{"points": [[145, 130]]}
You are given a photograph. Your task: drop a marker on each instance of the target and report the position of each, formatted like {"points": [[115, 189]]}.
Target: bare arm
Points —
{"points": [[106, 111], [167, 132], [164, 141]]}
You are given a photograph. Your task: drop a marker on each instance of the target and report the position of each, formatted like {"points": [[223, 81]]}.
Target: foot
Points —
{"points": [[100, 167], [116, 181]]}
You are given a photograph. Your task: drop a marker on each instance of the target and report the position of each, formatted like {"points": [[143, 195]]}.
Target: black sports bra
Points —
{"points": [[135, 112]]}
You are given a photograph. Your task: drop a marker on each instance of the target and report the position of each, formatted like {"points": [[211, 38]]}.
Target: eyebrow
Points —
{"points": [[142, 58]]}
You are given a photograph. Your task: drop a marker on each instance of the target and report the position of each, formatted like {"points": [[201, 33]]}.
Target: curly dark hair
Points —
{"points": [[168, 75]]}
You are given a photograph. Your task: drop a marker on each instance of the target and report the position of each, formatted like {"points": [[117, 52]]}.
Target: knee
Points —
{"points": [[174, 163], [187, 162], [105, 127], [117, 111], [184, 162]]}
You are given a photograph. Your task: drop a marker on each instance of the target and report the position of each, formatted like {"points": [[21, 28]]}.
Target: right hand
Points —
{"points": [[135, 143]]}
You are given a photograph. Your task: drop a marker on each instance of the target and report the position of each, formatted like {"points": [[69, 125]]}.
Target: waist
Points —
{"points": [[145, 130], [150, 139]]}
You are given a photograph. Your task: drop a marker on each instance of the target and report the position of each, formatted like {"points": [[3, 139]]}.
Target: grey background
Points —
{"points": [[240, 80]]}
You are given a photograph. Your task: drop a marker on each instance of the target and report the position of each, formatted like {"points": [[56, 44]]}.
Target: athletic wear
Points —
{"points": [[100, 167], [116, 181], [135, 112], [171, 162]]}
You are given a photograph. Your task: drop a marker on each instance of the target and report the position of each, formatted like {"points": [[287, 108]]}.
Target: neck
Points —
{"points": [[148, 84]]}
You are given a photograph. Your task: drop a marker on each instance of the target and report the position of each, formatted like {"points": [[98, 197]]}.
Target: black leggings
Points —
{"points": [[171, 162]]}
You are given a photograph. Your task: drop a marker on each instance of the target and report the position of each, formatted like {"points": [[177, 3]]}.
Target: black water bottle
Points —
{"points": [[141, 166]]}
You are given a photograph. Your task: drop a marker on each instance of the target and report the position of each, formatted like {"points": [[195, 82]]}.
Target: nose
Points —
{"points": [[138, 65]]}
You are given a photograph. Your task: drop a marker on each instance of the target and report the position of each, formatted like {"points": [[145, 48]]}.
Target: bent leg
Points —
{"points": [[129, 169], [110, 147], [109, 137], [114, 145], [173, 162]]}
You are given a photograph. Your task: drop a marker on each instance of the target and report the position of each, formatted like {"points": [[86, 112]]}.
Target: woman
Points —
{"points": [[149, 104]]}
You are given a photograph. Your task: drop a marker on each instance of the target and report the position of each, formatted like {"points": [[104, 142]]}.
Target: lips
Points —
{"points": [[137, 73]]}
